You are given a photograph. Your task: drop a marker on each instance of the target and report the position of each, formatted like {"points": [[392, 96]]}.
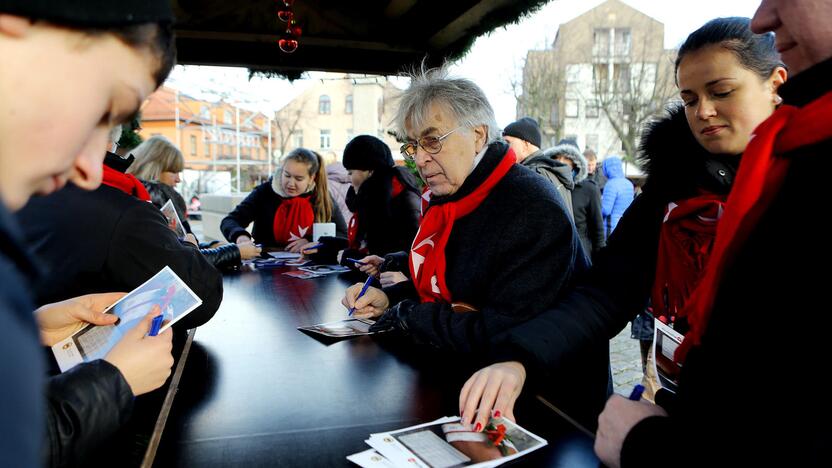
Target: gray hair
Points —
{"points": [[464, 100]]}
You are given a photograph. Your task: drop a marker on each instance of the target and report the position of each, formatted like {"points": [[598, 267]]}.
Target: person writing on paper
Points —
{"points": [[52, 130], [730, 82], [284, 207], [384, 200], [495, 242]]}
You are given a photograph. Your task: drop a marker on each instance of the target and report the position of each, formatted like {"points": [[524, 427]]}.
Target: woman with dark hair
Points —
{"points": [[284, 207], [728, 78], [384, 200], [71, 70]]}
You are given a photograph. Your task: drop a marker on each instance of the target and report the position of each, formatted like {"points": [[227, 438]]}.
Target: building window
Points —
{"points": [[326, 139], [348, 104], [193, 145], [324, 104], [591, 108], [601, 42], [571, 107], [204, 112], [297, 140], [350, 135], [591, 142], [227, 118], [621, 75], [622, 42]]}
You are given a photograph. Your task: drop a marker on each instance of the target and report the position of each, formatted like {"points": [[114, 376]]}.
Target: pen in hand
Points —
{"points": [[635, 395], [359, 262], [363, 290]]}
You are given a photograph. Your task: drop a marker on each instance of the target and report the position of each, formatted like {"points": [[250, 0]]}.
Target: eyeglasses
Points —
{"points": [[431, 144]]}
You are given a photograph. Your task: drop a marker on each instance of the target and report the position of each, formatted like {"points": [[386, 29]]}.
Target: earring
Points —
{"points": [[778, 100]]}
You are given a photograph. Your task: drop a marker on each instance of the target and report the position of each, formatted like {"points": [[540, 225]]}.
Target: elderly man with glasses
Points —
{"points": [[495, 245]]}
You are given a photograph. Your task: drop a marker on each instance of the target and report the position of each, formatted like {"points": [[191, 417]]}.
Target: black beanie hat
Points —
{"points": [[366, 152], [91, 13], [525, 129]]}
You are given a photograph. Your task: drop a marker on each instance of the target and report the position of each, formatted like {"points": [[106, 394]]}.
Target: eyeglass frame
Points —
{"points": [[416, 144]]}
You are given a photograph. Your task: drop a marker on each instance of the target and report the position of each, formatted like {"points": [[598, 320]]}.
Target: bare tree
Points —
{"points": [[539, 93], [287, 122], [632, 87]]}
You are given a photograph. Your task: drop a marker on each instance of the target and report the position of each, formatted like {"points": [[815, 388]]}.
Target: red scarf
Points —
{"points": [[352, 228], [685, 243], [427, 256], [127, 183], [758, 181], [293, 220]]}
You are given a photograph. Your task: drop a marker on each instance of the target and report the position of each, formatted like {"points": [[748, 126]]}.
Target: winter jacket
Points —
{"points": [[385, 224], [509, 258], [223, 257], [618, 193], [84, 406], [339, 182], [769, 291], [557, 173], [260, 207], [577, 329], [586, 208], [106, 240], [22, 368]]}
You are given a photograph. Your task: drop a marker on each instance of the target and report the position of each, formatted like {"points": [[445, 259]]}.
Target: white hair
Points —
{"points": [[465, 101]]}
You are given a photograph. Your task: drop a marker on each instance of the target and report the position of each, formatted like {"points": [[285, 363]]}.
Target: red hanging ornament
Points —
{"points": [[285, 15], [288, 45]]}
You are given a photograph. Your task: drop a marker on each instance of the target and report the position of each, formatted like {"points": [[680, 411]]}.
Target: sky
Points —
{"points": [[501, 52]]}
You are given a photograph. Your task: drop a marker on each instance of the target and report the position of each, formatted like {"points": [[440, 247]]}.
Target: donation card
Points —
{"points": [[342, 328], [325, 269], [165, 289], [447, 443], [173, 219]]}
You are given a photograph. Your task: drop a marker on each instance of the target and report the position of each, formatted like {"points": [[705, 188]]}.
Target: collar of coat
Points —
{"points": [[677, 166]]}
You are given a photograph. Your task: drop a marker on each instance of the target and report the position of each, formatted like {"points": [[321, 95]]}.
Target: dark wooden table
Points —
{"points": [[258, 392]]}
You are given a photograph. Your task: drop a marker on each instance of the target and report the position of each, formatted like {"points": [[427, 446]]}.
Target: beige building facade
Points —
{"points": [[607, 73], [325, 117]]}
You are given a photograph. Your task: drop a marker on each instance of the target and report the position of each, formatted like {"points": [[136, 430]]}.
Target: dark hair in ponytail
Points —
{"points": [[323, 202], [756, 52]]}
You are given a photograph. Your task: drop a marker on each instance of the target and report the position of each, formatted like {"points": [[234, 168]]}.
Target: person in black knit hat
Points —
{"points": [[384, 199], [524, 137], [54, 130]]}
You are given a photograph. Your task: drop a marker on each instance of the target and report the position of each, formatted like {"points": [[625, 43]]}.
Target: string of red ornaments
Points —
{"points": [[288, 41]]}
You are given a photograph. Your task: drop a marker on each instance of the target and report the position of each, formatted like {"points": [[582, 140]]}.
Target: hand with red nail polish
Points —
{"points": [[478, 427], [495, 386]]}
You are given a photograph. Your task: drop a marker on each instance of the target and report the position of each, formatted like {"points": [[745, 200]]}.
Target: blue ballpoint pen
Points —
{"points": [[359, 262], [635, 395], [156, 324], [363, 290]]}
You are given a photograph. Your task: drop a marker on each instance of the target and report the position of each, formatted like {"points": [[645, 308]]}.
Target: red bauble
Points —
{"points": [[285, 15], [288, 45], [295, 31]]}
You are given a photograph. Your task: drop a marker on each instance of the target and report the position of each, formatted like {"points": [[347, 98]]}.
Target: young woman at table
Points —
{"points": [[728, 78], [284, 207]]}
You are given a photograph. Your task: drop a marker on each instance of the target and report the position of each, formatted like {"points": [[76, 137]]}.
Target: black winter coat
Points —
{"points": [[259, 207], [509, 258], [586, 208], [767, 322], [106, 240], [386, 224], [578, 328]]}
